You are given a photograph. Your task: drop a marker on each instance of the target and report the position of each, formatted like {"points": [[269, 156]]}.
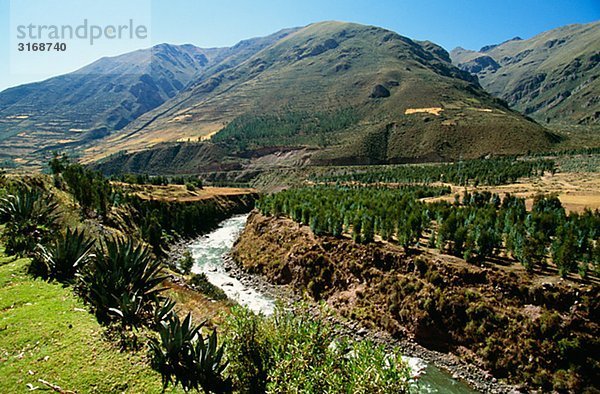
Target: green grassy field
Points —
{"points": [[46, 333]]}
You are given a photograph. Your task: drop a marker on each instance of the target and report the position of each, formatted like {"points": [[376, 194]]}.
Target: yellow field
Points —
{"points": [[181, 193], [576, 191]]}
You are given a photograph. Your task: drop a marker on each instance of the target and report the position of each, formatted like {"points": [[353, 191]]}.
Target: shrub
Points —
{"points": [[30, 216], [201, 283], [187, 262], [249, 349], [64, 257], [90, 188], [183, 356], [121, 282], [296, 352]]}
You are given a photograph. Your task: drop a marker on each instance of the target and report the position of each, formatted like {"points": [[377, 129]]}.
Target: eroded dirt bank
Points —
{"points": [[543, 334]]}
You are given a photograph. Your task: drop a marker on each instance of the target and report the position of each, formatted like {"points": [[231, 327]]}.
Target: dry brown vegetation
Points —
{"points": [[433, 111], [199, 305], [576, 191], [180, 193]]}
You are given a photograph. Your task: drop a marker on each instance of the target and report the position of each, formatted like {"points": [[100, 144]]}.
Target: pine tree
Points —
{"points": [[367, 229]]}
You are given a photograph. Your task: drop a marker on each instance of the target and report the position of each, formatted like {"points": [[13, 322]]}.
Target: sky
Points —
{"points": [[467, 23]]}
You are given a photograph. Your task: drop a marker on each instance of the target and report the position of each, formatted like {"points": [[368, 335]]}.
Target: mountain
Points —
{"points": [[354, 93], [73, 111], [554, 76], [342, 93], [102, 97]]}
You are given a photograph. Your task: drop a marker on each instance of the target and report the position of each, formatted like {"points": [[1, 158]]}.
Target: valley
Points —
{"points": [[330, 208]]}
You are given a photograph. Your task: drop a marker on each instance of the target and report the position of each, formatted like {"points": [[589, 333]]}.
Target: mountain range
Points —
{"points": [[338, 93], [554, 76]]}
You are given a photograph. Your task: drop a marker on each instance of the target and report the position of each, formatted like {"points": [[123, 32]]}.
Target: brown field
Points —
{"points": [[576, 191], [432, 110], [181, 193]]}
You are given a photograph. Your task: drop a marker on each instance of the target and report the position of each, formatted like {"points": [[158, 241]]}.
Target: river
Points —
{"points": [[209, 252]]}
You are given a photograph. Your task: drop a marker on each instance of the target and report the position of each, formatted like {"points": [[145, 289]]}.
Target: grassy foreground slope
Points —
{"points": [[46, 333]]}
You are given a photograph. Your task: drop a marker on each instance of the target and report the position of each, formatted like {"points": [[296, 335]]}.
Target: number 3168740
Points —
{"points": [[42, 46]]}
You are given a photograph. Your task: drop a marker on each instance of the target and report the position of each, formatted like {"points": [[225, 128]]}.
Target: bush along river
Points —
{"points": [[211, 255]]}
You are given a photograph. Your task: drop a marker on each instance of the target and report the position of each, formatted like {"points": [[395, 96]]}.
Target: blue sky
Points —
{"points": [[467, 23]]}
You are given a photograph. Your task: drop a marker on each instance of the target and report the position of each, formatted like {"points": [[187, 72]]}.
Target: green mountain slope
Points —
{"points": [[553, 76], [360, 94]]}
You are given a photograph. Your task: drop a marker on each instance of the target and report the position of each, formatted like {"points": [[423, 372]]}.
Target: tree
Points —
{"points": [[58, 163], [564, 251], [530, 251], [356, 229], [485, 241], [367, 229], [460, 236]]}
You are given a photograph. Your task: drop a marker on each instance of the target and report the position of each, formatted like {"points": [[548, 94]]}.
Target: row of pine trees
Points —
{"points": [[477, 172], [476, 227]]}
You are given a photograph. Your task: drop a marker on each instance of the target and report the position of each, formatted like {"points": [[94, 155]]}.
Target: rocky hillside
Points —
{"points": [[529, 330], [89, 104], [554, 76], [355, 93]]}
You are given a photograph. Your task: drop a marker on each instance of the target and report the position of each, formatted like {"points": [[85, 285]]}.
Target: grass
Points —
{"points": [[46, 333]]}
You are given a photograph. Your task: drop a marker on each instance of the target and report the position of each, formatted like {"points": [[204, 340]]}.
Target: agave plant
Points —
{"points": [[163, 311], [30, 216], [28, 204], [122, 277], [129, 310], [183, 356], [64, 257], [209, 365]]}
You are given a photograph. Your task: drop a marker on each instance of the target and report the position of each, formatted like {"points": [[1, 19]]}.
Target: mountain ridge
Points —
{"points": [[72, 111], [553, 76], [329, 67]]}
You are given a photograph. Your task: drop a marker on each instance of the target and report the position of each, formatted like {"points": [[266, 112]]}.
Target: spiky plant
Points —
{"points": [[183, 356], [63, 258], [30, 216], [209, 365], [129, 310], [163, 311], [125, 277]]}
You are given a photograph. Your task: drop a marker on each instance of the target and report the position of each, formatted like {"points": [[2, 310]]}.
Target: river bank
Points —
{"points": [[212, 253], [523, 328], [476, 378]]}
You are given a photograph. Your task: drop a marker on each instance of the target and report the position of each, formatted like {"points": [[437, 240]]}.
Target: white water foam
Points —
{"points": [[208, 253]]}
